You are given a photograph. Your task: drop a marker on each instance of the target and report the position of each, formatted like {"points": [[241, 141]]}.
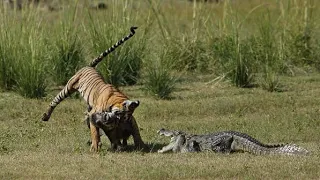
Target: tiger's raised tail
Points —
{"points": [[112, 48]]}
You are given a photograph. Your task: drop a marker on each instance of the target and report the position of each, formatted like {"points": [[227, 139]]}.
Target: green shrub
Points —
{"points": [[159, 82], [7, 52], [187, 54], [267, 52], [23, 59], [234, 59], [302, 49], [298, 35], [67, 55], [270, 81], [7, 63], [31, 67], [31, 80]]}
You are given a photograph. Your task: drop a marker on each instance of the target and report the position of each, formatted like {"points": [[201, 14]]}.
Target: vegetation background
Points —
{"points": [[249, 65]]}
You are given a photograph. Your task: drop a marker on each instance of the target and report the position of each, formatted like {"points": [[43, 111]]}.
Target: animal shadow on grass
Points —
{"points": [[154, 147], [150, 148]]}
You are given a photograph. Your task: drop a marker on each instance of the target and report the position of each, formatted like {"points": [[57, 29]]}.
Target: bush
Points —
{"points": [[159, 83], [67, 54], [234, 59], [7, 64], [187, 54], [23, 59], [31, 67]]}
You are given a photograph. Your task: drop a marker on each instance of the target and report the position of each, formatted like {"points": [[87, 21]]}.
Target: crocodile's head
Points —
{"points": [[169, 133], [179, 142], [174, 134]]}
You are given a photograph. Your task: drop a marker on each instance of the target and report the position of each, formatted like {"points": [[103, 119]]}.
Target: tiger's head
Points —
{"points": [[127, 107]]}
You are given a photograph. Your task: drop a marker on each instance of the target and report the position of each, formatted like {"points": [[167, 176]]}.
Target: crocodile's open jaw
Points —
{"points": [[168, 133], [163, 132]]}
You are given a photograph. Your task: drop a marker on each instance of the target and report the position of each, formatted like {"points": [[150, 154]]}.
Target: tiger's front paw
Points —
{"points": [[95, 147]]}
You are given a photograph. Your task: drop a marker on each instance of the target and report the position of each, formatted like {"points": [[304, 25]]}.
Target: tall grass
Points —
{"points": [[300, 33], [67, 52], [31, 62], [186, 45], [267, 52], [7, 58], [122, 67], [238, 40], [159, 81], [234, 58], [187, 54], [277, 46], [23, 54], [233, 52]]}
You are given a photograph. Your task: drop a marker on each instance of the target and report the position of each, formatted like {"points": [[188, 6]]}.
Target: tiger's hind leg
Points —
{"points": [[70, 88]]}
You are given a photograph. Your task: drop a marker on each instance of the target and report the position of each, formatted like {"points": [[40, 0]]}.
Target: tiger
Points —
{"points": [[100, 97]]}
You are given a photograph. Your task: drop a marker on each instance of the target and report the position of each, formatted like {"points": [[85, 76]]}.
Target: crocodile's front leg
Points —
{"points": [[179, 144], [169, 147], [176, 144], [222, 144]]}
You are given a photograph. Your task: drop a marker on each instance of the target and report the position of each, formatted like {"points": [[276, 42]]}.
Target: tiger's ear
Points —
{"points": [[130, 105], [134, 104]]}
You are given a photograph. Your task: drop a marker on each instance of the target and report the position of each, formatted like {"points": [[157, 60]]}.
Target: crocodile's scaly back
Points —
{"points": [[248, 138]]}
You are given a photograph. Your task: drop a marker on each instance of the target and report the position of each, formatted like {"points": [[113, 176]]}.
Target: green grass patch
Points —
{"points": [[57, 149]]}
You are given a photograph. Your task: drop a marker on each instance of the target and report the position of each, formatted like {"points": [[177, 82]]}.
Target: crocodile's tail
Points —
{"points": [[289, 149], [240, 143]]}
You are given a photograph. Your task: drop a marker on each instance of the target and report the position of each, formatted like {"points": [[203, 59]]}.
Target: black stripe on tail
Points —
{"points": [[112, 48]]}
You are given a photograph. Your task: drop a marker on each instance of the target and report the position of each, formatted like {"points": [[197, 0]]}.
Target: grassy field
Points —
{"points": [[31, 149], [196, 55]]}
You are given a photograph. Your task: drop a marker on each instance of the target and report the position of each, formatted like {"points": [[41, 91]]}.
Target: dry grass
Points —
{"points": [[31, 149], [54, 165]]}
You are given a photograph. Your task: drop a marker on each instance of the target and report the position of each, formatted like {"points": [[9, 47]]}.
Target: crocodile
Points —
{"points": [[224, 142]]}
